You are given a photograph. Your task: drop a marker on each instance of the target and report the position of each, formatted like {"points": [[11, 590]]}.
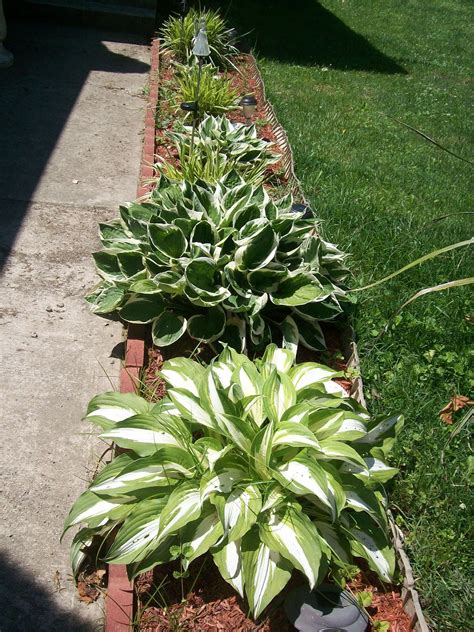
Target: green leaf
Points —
{"points": [[258, 251], [340, 451], [198, 537], [167, 328], [241, 510], [138, 533], [265, 571], [200, 274], [279, 394], [375, 470], [108, 266], [237, 430], [228, 559], [162, 468], [261, 451], [368, 541], [281, 359], [167, 239], [311, 374], [311, 334], [91, 509], [107, 409], [183, 373], [291, 335], [183, 506], [209, 326], [292, 534], [190, 408], [142, 308], [107, 300], [289, 433], [144, 434], [302, 476], [267, 279], [297, 289], [227, 473]]}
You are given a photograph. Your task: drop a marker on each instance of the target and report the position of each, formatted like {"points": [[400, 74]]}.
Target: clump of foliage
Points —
{"points": [[268, 465], [216, 94], [179, 32], [219, 148], [222, 262]]}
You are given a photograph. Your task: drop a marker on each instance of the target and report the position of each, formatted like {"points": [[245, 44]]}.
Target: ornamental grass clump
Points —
{"points": [[179, 32], [216, 93], [267, 465], [220, 147], [221, 262]]}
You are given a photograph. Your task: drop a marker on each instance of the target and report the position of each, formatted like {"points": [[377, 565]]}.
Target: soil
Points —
{"points": [[204, 602]]}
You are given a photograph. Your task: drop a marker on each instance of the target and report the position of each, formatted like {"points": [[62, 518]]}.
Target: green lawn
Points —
{"points": [[334, 70]]}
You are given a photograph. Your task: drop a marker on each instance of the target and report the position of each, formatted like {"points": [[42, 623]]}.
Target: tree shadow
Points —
{"points": [[26, 606], [303, 32], [37, 95]]}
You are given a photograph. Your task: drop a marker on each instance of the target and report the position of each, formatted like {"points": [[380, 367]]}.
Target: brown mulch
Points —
{"points": [[206, 603], [387, 604], [154, 386]]}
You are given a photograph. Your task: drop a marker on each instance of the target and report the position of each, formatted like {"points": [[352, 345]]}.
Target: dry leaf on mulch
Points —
{"points": [[457, 402], [89, 586]]}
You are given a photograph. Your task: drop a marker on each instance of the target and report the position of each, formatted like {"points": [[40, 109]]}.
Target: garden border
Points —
{"points": [[120, 593], [119, 601]]}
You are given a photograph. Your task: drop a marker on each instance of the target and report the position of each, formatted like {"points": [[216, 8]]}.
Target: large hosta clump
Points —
{"points": [[267, 465], [222, 262]]}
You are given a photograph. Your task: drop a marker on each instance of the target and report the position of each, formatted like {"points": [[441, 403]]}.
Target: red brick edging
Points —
{"points": [[119, 602]]}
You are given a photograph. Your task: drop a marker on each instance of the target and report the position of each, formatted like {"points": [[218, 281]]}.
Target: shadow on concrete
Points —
{"points": [[303, 32], [26, 606], [37, 94]]}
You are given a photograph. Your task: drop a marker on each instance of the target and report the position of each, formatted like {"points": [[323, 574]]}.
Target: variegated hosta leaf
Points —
{"points": [[266, 572], [183, 506], [381, 433], [145, 434], [340, 451], [293, 535], [337, 425], [368, 541], [304, 476], [191, 409], [240, 431], [250, 382], [281, 359], [107, 409], [228, 559], [261, 451], [296, 435], [375, 471], [138, 533], [278, 395], [240, 511], [198, 536], [227, 473], [92, 509], [361, 498], [81, 542], [310, 375], [165, 467], [182, 373]]}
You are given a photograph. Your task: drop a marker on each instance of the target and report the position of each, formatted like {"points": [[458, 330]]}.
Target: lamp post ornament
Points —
{"points": [[6, 58], [201, 50]]}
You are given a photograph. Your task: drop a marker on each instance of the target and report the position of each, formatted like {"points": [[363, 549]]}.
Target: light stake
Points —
{"points": [[201, 50]]}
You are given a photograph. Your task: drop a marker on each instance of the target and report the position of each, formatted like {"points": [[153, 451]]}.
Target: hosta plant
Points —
{"points": [[267, 465], [220, 147], [216, 93], [222, 262], [179, 32]]}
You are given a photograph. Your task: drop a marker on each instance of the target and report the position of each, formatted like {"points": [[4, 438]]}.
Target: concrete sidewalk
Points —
{"points": [[71, 118]]}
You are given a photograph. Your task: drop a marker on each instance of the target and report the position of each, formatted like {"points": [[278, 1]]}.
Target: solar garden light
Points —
{"points": [[201, 50], [249, 105]]}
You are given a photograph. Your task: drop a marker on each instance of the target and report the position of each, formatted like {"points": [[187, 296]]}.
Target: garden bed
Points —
{"points": [[209, 603]]}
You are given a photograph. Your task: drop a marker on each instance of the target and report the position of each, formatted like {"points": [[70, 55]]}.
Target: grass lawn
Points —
{"points": [[334, 70]]}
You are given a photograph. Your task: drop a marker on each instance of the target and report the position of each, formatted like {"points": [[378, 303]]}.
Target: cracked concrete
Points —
{"points": [[71, 117]]}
